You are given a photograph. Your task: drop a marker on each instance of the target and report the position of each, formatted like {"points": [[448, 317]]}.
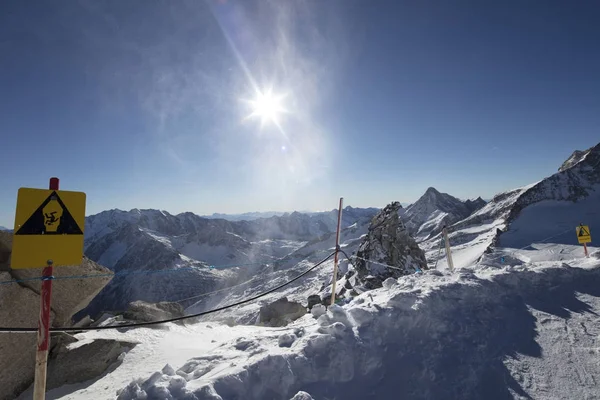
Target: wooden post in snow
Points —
{"points": [[448, 251], [337, 251]]}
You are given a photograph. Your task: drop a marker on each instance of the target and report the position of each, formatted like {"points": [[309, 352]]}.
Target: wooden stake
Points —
{"points": [[448, 251], [337, 250], [43, 335]]}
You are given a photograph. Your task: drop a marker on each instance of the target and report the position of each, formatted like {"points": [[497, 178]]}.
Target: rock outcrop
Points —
{"points": [[19, 308], [575, 158], [73, 363], [5, 249], [281, 312], [389, 243], [20, 305], [474, 205], [148, 312], [69, 295], [313, 300]]}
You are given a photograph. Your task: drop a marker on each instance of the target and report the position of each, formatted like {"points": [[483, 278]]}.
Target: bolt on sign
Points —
{"points": [[49, 225], [583, 234]]}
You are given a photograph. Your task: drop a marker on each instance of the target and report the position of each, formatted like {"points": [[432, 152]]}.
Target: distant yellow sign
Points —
{"points": [[49, 225], [583, 234]]}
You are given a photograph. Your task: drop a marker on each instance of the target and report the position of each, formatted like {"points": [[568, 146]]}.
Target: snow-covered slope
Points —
{"points": [[528, 330], [548, 210], [471, 237], [428, 215], [517, 321], [555, 205], [269, 276], [150, 240]]}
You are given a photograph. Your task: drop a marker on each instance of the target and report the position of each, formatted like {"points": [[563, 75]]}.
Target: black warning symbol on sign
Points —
{"points": [[583, 232], [51, 218]]}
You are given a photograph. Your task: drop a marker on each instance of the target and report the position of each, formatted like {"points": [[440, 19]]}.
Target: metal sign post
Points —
{"points": [[48, 233], [43, 334], [584, 237], [337, 251]]}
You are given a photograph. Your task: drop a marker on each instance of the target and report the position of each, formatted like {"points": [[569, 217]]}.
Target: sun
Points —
{"points": [[267, 106]]}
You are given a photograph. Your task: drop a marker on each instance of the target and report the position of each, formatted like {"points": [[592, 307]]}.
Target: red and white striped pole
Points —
{"points": [[43, 334], [337, 251]]}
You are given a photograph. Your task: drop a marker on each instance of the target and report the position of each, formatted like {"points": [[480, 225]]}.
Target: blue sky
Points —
{"points": [[144, 104]]}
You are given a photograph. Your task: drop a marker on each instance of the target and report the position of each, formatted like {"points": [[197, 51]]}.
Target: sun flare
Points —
{"points": [[268, 107]]}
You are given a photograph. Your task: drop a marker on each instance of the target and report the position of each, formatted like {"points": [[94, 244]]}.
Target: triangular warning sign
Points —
{"points": [[51, 218], [583, 232]]}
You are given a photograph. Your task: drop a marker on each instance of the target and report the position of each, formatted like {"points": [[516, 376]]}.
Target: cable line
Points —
{"points": [[200, 314]]}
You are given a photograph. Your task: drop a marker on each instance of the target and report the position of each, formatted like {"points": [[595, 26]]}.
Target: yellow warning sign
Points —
{"points": [[48, 226], [583, 234]]}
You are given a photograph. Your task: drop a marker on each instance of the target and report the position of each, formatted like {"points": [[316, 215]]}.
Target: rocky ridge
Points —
{"points": [[387, 242]]}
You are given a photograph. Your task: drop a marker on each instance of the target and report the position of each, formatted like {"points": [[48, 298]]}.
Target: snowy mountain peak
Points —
{"points": [[432, 191], [574, 159], [428, 215], [432, 211]]}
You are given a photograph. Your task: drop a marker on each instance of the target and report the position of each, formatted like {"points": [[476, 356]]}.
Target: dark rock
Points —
{"points": [[148, 312], [474, 205], [281, 312], [387, 243], [83, 322], [286, 340], [60, 340], [244, 344], [88, 361], [313, 299], [5, 250]]}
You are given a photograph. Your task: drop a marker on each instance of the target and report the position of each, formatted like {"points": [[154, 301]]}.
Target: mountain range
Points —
{"points": [[248, 216], [214, 252], [522, 288], [208, 252]]}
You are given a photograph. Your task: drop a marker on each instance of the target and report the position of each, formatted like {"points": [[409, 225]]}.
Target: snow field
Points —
{"points": [[470, 334]]}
